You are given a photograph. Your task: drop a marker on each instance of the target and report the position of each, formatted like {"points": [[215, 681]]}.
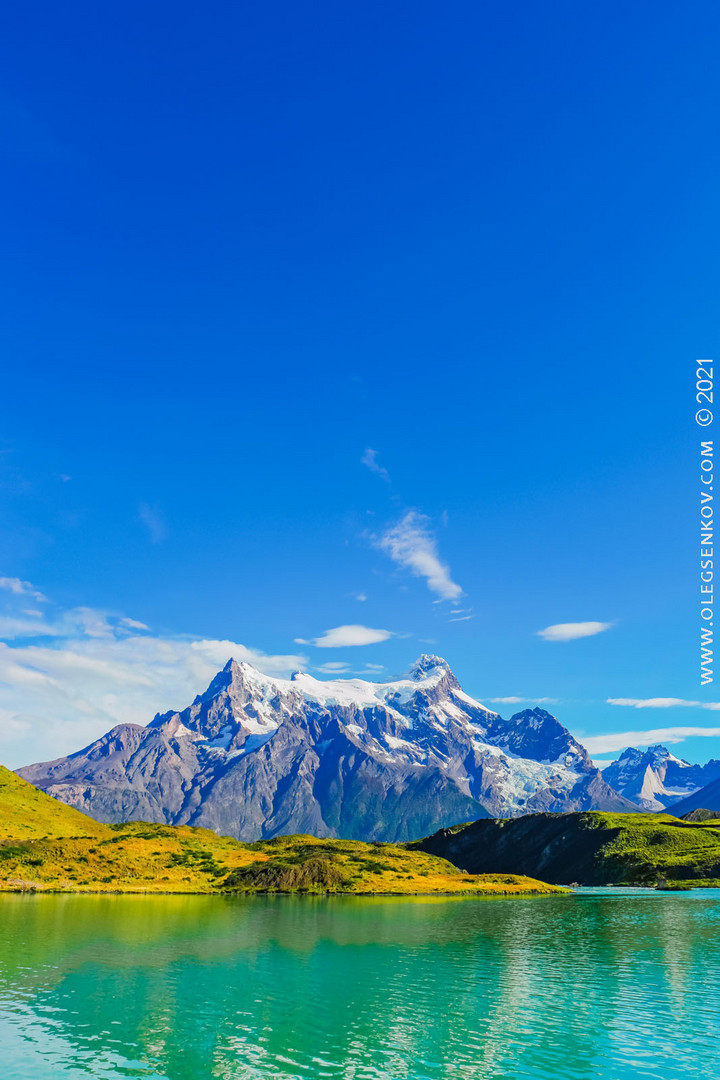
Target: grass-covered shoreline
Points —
{"points": [[146, 858], [590, 848], [46, 846]]}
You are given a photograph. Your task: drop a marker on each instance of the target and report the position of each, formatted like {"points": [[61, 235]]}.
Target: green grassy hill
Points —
{"points": [[47, 846], [28, 813], [590, 848]]}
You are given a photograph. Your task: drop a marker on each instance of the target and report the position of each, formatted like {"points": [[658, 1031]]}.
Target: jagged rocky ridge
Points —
{"points": [[655, 779], [258, 757]]}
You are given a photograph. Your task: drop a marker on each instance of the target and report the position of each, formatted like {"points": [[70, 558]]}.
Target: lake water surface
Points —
{"points": [[605, 983]]}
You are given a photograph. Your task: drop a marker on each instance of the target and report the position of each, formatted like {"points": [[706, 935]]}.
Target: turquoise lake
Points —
{"points": [[603, 983]]}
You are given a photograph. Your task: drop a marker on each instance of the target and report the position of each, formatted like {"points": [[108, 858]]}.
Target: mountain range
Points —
{"points": [[256, 757], [656, 780]]}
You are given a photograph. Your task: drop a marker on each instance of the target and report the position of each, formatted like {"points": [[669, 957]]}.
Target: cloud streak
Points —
{"points": [[68, 678], [340, 637], [21, 588], [570, 631], [370, 461], [603, 744], [663, 703], [154, 522], [412, 545], [524, 701]]}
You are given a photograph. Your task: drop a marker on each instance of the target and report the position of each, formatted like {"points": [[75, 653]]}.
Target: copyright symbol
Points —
{"points": [[703, 417]]}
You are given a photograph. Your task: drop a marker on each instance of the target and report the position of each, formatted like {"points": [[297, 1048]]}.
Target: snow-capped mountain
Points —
{"points": [[655, 779], [256, 756]]}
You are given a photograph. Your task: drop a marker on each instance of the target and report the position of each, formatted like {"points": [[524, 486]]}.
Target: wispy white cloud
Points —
{"points": [[618, 740], [663, 703], [361, 597], [25, 626], [342, 636], [570, 631], [524, 701], [412, 545], [335, 668], [62, 696], [54, 623], [21, 588], [93, 623], [67, 678], [370, 460], [154, 522]]}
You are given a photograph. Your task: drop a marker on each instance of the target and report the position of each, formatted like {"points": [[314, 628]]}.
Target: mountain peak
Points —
{"points": [[541, 714], [427, 664], [224, 679], [234, 666], [630, 753]]}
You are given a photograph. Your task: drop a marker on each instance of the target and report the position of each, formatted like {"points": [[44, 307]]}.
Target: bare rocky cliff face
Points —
{"points": [[257, 757]]}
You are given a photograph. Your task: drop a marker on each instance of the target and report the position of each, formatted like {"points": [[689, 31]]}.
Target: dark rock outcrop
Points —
{"points": [[702, 815], [585, 849]]}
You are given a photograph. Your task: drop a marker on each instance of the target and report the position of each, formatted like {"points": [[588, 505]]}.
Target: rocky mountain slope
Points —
{"points": [[702, 815], [259, 757], [707, 798], [655, 779], [587, 848]]}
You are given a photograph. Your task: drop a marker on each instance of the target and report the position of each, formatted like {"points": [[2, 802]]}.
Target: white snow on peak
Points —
{"points": [[679, 761], [472, 701], [358, 692], [182, 732]]}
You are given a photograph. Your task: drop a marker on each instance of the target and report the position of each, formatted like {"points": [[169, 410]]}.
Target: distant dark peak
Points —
{"points": [[658, 748], [630, 753], [426, 664], [536, 713]]}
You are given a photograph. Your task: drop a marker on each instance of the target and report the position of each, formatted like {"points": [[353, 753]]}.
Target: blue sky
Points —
{"points": [[308, 303]]}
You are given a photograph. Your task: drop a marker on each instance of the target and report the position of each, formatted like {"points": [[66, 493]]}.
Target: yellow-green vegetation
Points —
{"points": [[47, 846], [28, 813], [304, 863], [647, 847]]}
